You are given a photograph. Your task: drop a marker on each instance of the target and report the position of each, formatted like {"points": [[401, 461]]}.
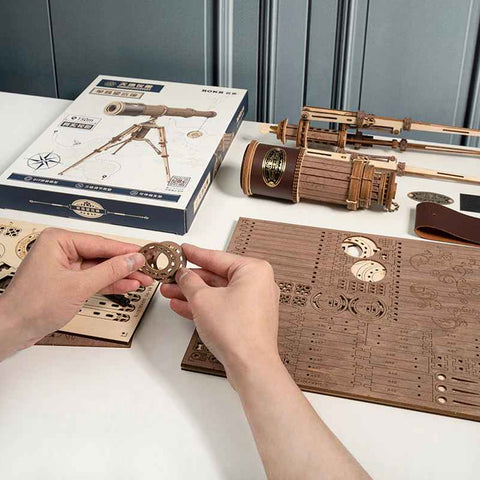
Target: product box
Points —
{"points": [[130, 152]]}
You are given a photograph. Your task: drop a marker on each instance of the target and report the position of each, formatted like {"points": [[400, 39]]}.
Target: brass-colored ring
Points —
{"points": [[247, 163]]}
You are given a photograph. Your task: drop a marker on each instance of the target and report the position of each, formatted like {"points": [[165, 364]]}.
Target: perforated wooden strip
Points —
{"points": [[398, 324]]}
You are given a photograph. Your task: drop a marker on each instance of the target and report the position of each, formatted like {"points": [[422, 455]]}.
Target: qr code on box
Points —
{"points": [[177, 183]]}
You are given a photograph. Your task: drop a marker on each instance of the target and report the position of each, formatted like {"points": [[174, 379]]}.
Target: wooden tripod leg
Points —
{"points": [[165, 161], [163, 146], [110, 144]]}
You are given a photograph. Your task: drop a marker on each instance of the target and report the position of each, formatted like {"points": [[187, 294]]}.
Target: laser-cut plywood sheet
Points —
{"points": [[99, 317], [397, 324]]}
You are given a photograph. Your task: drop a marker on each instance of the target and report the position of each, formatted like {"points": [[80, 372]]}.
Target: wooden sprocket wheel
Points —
{"points": [[174, 256]]}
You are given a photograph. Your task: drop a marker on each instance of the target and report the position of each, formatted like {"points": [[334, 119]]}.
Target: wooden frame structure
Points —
{"points": [[305, 135]]}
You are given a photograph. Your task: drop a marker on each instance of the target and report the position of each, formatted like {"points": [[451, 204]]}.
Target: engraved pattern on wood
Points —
{"points": [[410, 340]]}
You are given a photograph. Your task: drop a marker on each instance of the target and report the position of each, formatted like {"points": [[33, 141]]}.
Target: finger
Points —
{"points": [[182, 308], [95, 246], [210, 278], [122, 286], [144, 279], [171, 290], [189, 282], [110, 271], [215, 261]]}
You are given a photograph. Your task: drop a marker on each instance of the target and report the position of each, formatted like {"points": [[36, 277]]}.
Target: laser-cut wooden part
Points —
{"points": [[361, 120], [345, 178], [60, 339], [163, 260], [411, 339], [304, 135], [294, 174], [99, 317]]}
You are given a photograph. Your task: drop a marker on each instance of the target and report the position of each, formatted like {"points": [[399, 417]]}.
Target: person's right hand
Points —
{"points": [[233, 301]]}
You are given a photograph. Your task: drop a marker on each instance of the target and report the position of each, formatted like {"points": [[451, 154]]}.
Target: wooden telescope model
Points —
{"points": [[350, 179], [305, 135], [139, 131]]}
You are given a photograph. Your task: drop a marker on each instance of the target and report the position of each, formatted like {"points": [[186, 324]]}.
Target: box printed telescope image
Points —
{"points": [[132, 152]]}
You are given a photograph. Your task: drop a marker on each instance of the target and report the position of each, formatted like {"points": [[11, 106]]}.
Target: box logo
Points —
{"points": [[137, 86]]}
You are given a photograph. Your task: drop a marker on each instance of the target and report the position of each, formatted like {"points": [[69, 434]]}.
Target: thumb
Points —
{"points": [[189, 282], [112, 270]]}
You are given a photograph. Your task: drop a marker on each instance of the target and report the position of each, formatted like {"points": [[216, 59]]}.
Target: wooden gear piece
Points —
{"points": [[401, 327], [163, 260], [297, 173]]}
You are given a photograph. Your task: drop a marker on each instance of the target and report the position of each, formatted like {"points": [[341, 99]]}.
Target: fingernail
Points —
{"points": [[135, 261], [180, 274]]}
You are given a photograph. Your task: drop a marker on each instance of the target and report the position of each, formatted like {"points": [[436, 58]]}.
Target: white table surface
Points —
{"points": [[118, 414]]}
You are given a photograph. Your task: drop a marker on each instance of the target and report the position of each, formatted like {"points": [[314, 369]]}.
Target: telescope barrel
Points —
{"points": [[136, 109], [297, 174]]}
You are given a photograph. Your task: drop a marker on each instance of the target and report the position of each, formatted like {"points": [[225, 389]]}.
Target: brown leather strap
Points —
{"points": [[436, 222]]}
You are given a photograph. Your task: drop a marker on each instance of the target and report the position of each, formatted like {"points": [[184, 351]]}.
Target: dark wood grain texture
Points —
{"points": [[410, 339]]}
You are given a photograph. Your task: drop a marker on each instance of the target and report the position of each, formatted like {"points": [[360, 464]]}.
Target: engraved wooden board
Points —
{"points": [[399, 324], [99, 318]]}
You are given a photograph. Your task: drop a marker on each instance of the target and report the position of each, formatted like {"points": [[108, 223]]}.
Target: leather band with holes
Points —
{"points": [[175, 260]]}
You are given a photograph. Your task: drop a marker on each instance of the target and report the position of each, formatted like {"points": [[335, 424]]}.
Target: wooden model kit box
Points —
{"points": [[130, 152]]}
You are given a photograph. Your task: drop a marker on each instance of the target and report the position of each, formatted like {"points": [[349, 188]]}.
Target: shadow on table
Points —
{"points": [[228, 180], [209, 401]]}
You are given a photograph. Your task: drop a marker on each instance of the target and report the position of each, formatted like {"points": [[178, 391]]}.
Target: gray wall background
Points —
{"points": [[416, 58]]}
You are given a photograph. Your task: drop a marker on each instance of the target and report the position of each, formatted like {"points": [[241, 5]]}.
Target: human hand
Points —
{"points": [[61, 271], [233, 301]]}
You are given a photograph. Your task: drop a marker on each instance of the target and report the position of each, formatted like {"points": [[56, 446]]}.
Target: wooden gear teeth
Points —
{"points": [[173, 260]]}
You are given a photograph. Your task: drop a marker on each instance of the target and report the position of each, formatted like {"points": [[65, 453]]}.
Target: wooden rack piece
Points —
{"points": [[409, 339]]}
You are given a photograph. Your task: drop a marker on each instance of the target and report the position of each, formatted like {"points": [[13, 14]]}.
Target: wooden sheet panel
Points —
{"points": [[410, 339]]}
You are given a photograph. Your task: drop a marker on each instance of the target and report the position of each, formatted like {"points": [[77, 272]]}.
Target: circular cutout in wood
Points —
{"points": [[359, 247], [162, 260], [369, 271]]}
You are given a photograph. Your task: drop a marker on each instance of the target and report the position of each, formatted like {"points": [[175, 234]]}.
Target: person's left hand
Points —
{"points": [[62, 270]]}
